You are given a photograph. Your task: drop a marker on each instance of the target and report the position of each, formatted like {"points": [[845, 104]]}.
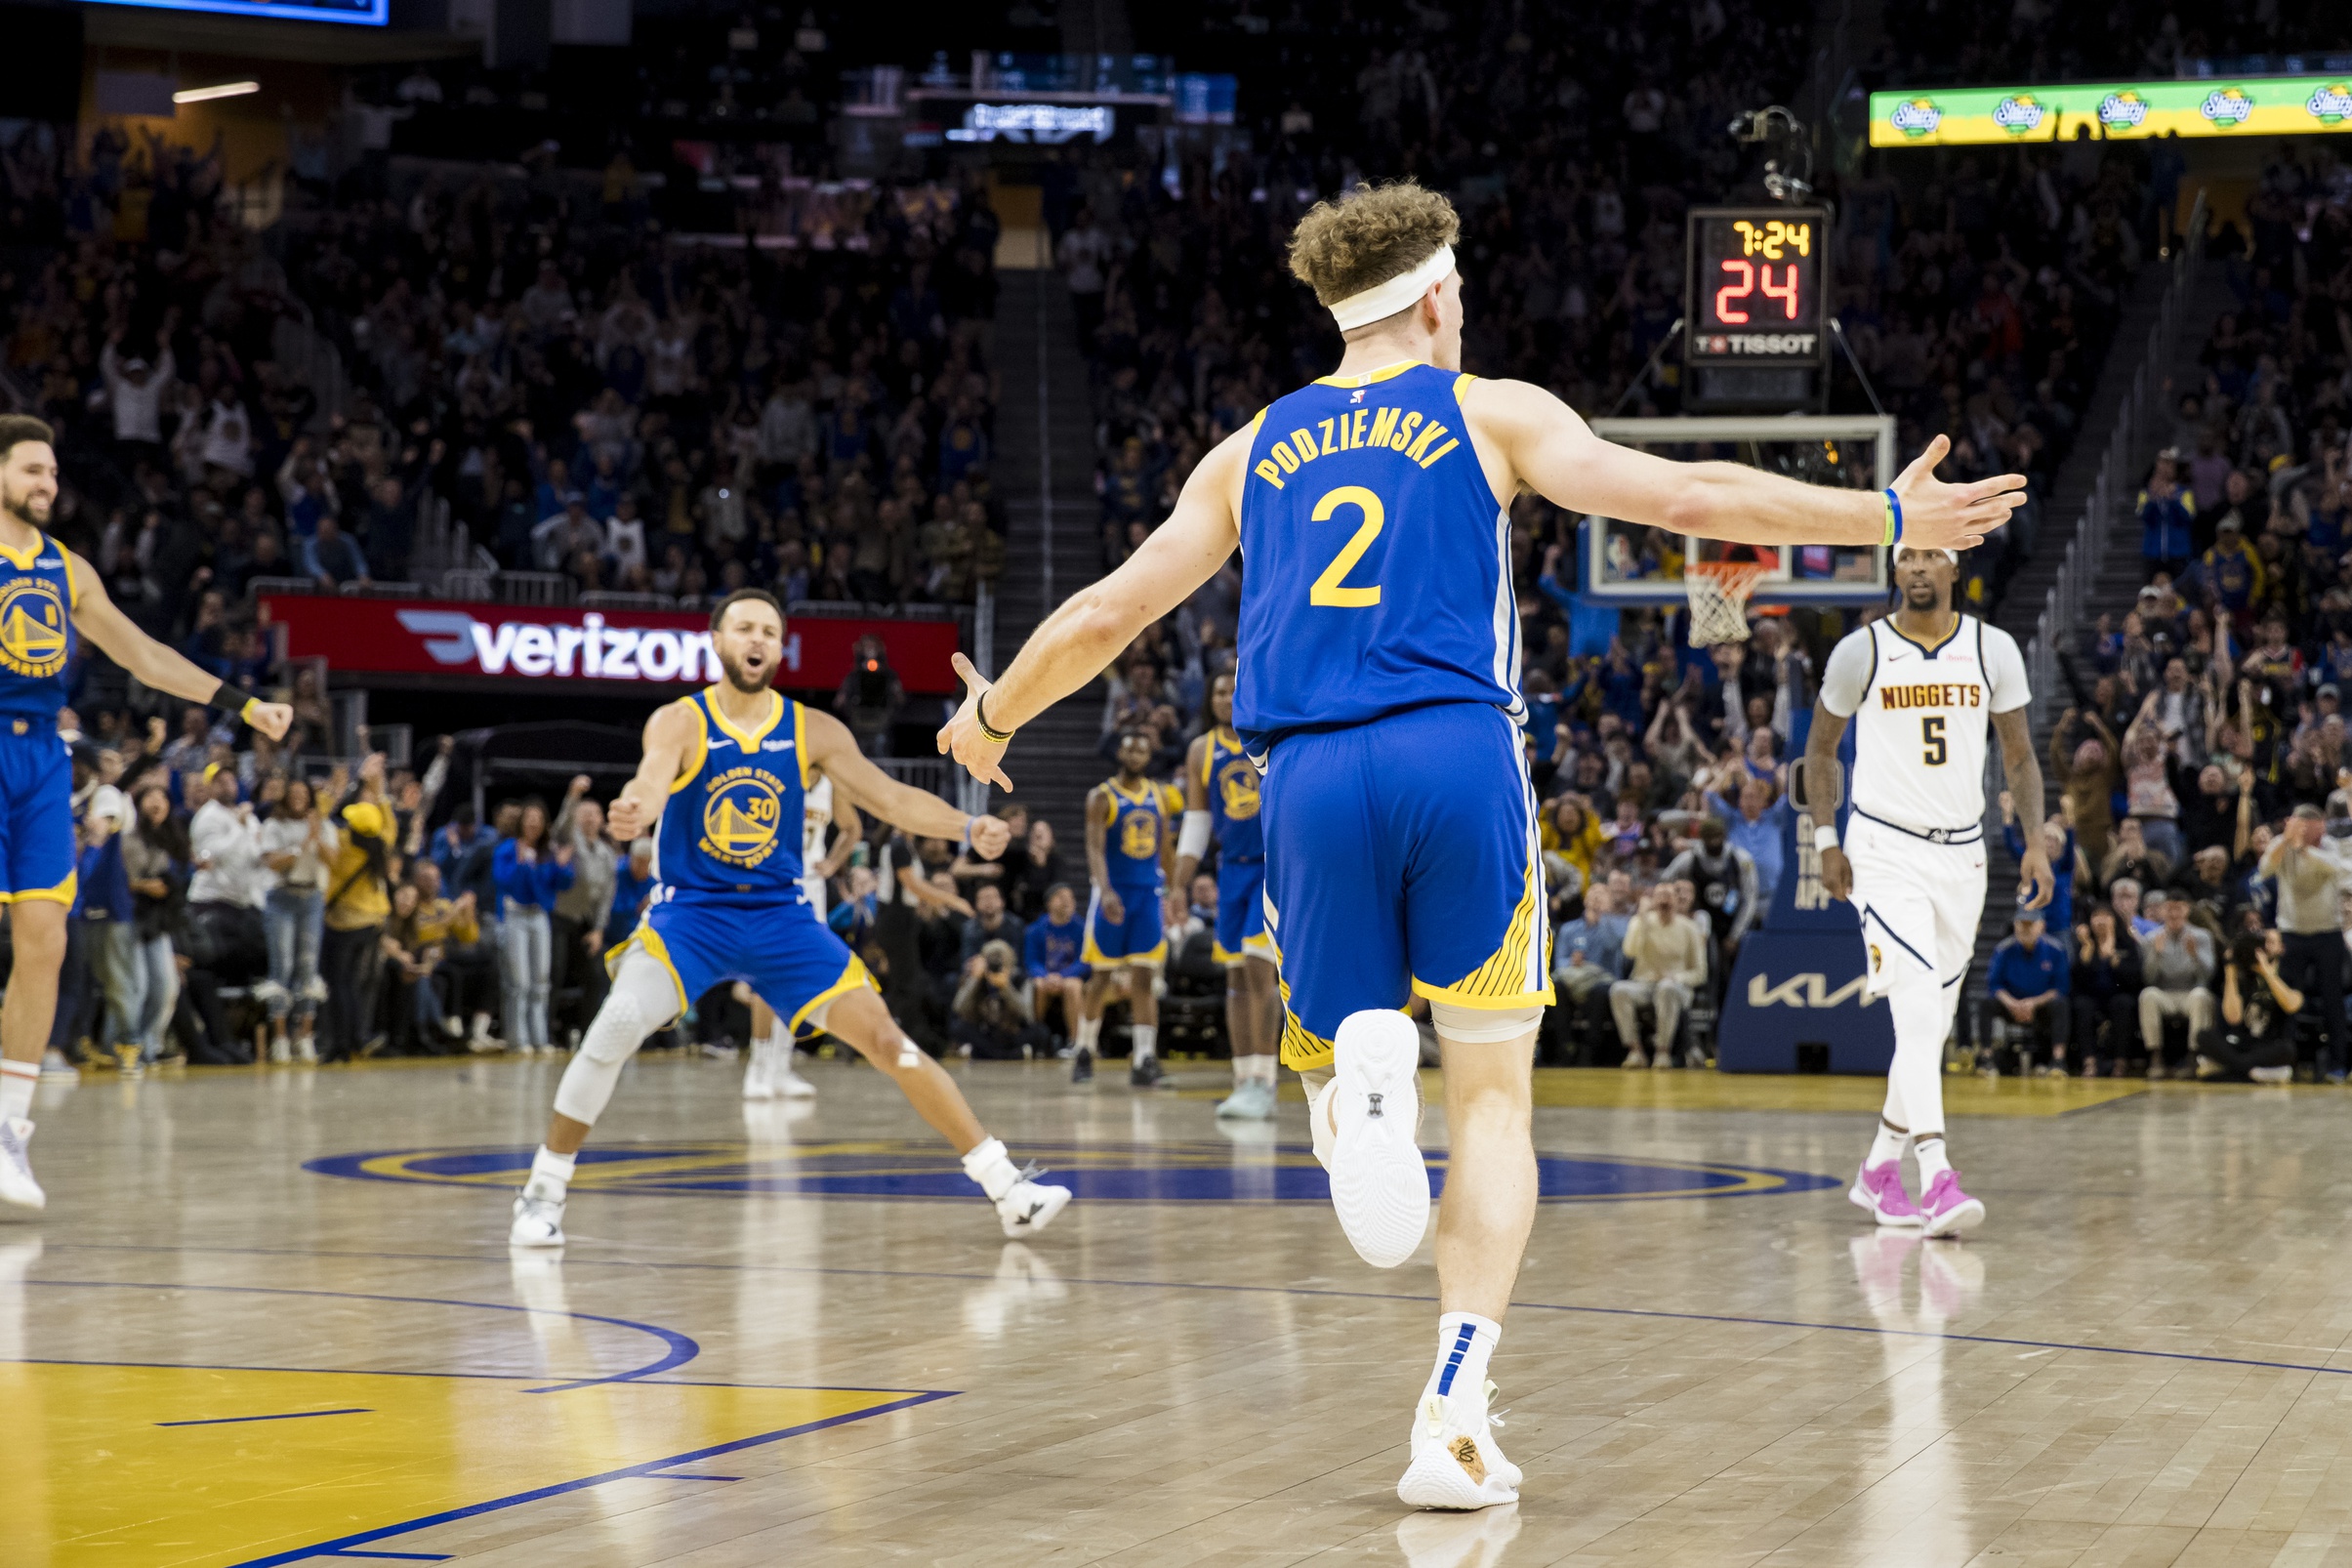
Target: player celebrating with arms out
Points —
{"points": [[1922, 687], [1128, 843], [1379, 688], [723, 784], [1220, 797], [50, 598]]}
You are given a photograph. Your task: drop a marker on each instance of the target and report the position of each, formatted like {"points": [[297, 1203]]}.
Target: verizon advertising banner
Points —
{"points": [[619, 649]]}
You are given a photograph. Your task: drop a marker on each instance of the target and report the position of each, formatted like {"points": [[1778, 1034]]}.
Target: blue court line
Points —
{"points": [[343, 1547], [292, 1414], [679, 1349], [389, 1371], [402, 1556], [674, 1475], [1273, 1290]]}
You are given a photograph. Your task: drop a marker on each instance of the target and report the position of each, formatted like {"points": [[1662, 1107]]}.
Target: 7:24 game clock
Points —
{"points": [[1758, 281]]}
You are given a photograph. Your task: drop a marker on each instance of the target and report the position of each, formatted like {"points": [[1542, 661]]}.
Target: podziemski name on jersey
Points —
{"points": [[1398, 430], [1934, 695]]}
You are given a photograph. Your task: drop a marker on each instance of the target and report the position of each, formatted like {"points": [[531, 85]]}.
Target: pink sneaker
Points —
{"points": [[1879, 1189], [1948, 1210]]}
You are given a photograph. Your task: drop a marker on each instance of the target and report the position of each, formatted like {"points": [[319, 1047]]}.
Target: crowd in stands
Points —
{"points": [[2201, 770], [529, 381]]}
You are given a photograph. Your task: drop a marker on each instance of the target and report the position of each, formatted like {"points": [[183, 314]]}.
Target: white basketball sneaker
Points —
{"points": [[1457, 1464], [789, 1083], [17, 1183], [538, 1221], [1029, 1206], [1379, 1184], [759, 1079]]}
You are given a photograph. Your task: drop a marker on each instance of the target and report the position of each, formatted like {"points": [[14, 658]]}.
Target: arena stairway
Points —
{"points": [[2117, 587], [1044, 439]]}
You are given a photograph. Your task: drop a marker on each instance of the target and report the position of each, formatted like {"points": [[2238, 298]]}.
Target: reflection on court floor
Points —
{"points": [[144, 1467], [1132, 1173]]}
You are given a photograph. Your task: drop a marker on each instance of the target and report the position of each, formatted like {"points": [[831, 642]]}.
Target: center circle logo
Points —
{"points": [[740, 816], [32, 629], [1205, 1172]]}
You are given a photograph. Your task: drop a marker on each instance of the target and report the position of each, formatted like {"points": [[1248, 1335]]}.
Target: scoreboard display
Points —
{"points": [[1759, 277]]}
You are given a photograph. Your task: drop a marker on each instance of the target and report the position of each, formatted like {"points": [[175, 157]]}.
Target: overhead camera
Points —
{"points": [[1789, 163]]}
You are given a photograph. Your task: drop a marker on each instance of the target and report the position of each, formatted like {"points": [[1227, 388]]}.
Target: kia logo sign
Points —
{"points": [[1802, 991], [591, 650]]}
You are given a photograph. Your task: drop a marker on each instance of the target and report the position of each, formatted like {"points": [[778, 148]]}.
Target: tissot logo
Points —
{"points": [[591, 650], [1802, 991]]}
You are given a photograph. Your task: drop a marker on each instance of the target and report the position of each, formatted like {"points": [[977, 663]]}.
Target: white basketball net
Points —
{"points": [[1719, 600]]}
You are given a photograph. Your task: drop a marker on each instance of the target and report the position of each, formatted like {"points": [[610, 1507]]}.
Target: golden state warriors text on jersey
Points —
{"points": [[1378, 559]]}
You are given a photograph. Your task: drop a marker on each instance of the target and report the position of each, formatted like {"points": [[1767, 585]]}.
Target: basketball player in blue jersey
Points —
{"points": [[49, 601], [1221, 800], [723, 785], [1127, 848], [1379, 688]]}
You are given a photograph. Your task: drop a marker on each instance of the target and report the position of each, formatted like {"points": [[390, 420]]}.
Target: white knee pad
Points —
{"points": [[1482, 1026], [641, 1000], [1318, 1084]]}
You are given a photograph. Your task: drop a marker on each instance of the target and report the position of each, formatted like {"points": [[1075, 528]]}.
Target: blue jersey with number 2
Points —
{"points": [[1376, 560]]}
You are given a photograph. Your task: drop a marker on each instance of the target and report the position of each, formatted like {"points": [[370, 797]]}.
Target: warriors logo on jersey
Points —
{"points": [[34, 640], [740, 814]]}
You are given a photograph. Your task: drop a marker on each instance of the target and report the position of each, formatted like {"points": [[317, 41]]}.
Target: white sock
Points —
{"points": [[1464, 1343], [1928, 1149], [1090, 1030], [1254, 1070], [992, 1168], [1144, 1041], [551, 1174], [1888, 1145], [17, 1080]]}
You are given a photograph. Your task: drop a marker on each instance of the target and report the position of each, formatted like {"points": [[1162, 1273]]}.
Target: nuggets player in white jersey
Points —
{"points": [[770, 1075], [1377, 683], [1921, 689], [722, 787]]}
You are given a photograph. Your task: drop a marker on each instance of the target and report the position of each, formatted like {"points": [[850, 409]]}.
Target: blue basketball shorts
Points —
{"points": [[791, 961], [1137, 936], [1402, 860], [36, 812], [1241, 912]]}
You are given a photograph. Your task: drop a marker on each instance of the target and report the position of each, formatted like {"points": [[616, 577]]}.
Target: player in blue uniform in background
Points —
{"points": [[723, 781], [1220, 799], [1127, 848], [49, 601], [1378, 684]]}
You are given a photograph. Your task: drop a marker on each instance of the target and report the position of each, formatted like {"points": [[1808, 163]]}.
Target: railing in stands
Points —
{"points": [[2059, 624]]}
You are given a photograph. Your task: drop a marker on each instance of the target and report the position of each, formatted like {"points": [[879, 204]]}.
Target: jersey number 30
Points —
{"points": [[1931, 737], [1327, 589]]}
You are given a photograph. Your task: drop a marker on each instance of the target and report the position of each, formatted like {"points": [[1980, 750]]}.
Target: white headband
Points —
{"points": [[1384, 300]]}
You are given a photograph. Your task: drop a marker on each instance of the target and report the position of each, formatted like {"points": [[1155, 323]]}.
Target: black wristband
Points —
{"points": [[989, 731], [231, 699]]}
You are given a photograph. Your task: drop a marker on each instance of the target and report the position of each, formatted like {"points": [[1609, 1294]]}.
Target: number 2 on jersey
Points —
{"points": [[1327, 589], [1931, 735]]}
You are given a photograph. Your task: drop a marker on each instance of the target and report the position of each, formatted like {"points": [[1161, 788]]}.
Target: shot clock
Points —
{"points": [[1756, 307]]}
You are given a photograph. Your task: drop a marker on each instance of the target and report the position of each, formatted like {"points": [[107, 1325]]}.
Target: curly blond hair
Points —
{"points": [[1369, 236]]}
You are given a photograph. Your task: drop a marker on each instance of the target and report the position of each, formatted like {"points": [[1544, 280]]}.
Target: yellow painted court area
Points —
{"points": [[98, 1478], [1613, 1089]]}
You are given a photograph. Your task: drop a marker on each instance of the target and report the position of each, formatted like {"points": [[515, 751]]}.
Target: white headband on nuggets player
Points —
{"points": [[1384, 300], [1951, 555]]}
